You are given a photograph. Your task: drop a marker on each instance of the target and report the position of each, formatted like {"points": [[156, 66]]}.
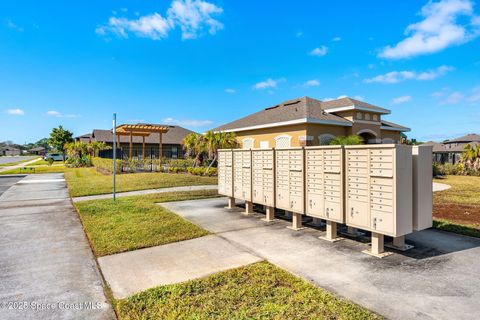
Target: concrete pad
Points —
{"points": [[440, 186], [135, 271], [438, 279], [45, 258]]}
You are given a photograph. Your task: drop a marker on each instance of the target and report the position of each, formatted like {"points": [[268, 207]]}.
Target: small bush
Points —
{"points": [[182, 163], [176, 170], [106, 165], [78, 162], [50, 161], [200, 171]]}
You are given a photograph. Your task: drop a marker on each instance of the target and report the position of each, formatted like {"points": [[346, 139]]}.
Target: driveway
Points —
{"points": [[47, 270], [438, 279]]}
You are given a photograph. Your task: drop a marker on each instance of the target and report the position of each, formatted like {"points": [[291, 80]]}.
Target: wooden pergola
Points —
{"points": [[141, 130]]}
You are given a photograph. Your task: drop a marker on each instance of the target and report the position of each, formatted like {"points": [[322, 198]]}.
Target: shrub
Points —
{"points": [[182, 163], [78, 162], [106, 165], [176, 170], [50, 161], [347, 140], [200, 171]]}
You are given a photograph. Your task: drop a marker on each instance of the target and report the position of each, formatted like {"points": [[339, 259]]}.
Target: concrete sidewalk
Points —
{"points": [[45, 258], [135, 271], [144, 192], [438, 279]]}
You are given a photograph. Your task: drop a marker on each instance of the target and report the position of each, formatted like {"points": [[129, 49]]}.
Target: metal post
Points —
{"points": [[114, 155]]}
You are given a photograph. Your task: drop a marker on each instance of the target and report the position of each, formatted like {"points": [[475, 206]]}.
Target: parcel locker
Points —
{"points": [[379, 188], [324, 182], [225, 172], [422, 187], [263, 176], [242, 174], [289, 179]]}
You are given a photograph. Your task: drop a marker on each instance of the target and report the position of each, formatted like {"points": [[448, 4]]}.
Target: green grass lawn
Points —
{"points": [[37, 169], [87, 181], [137, 222], [257, 291], [458, 208]]}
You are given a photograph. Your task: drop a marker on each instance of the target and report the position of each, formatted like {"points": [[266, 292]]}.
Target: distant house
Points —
{"points": [[172, 146], [40, 151], [450, 151], [306, 121], [10, 151]]}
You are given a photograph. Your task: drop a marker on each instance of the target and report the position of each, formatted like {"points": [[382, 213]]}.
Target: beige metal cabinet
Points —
{"points": [[379, 188], [324, 182], [242, 174], [225, 172], [263, 168], [422, 187], [289, 179]]}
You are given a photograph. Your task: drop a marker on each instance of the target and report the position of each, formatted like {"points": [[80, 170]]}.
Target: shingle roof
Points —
{"points": [[295, 109], [174, 135], [393, 126], [347, 102], [472, 137]]}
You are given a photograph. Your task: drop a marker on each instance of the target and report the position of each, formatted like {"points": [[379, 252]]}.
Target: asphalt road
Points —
{"points": [[7, 182], [5, 160]]}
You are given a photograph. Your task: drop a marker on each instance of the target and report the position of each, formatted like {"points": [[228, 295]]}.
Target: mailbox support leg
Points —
{"points": [[331, 234], [296, 222], [399, 244], [231, 203], [269, 214], [248, 207], [377, 249]]}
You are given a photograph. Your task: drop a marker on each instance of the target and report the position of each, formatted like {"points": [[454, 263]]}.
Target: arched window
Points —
{"points": [[325, 138], [359, 115], [283, 141], [367, 116], [247, 143]]}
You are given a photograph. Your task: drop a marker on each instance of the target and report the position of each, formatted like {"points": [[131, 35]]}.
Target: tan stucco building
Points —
{"points": [[307, 121]]}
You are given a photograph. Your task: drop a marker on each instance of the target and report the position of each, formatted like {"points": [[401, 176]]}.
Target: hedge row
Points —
{"points": [[106, 165]]}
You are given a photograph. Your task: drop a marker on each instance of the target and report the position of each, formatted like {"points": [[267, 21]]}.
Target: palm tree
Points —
{"points": [[95, 146], [347, 140], [470, 157], [194, 145], [219, 140]]}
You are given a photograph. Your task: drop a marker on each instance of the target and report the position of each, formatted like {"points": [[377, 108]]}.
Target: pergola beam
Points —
{"points": [[142, 130]]}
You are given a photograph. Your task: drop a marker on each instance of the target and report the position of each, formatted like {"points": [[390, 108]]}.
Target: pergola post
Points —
{"points": [[130, 151], [143, 148], [160, 147]]}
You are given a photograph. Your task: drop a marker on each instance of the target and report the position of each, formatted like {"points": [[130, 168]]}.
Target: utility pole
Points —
{"points": [[114, 155]]}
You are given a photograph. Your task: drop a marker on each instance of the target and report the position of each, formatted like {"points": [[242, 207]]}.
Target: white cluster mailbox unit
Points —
{"points": [[385, 188]]}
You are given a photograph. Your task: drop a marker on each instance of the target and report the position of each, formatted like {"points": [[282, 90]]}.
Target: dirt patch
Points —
{"points": [[462, 214]]}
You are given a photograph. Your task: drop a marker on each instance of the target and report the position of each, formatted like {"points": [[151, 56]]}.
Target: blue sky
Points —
{"points": [[203, 63]]}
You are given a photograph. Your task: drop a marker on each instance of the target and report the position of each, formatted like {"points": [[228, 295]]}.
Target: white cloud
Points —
{"points": [[336, 39], [319, 52], [342, 96], [269, 83], [449, 97], [401, 99], [16, 112], [14, 26], [230, 90], [438, 30], [57, 114], [399, 76], [311, 83], [191, 16], [188, 122], [359, 98]]}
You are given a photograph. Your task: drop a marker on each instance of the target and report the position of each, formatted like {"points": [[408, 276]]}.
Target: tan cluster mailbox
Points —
{"points": [[384, 188], [324, 182], [263, 177], [242, 175], [225, 173], [289, 182]]}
